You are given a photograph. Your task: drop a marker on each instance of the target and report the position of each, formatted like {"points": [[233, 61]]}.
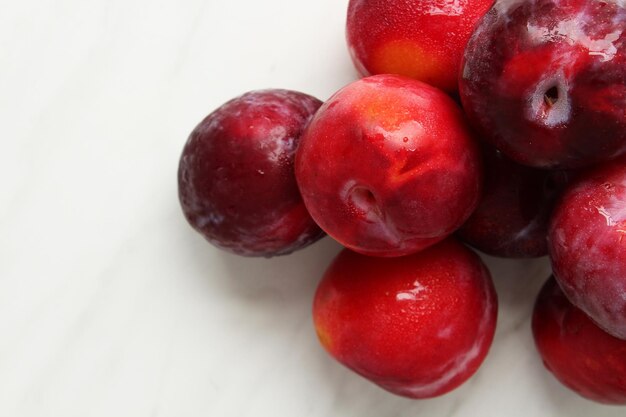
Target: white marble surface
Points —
{"points": [[110, 305]]}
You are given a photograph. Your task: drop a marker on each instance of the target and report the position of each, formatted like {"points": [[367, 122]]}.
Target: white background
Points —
{"points": [[110, 305]]}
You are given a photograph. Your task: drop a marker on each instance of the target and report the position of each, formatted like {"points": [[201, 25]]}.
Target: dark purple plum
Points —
{"points": [[512, 217], [545, 81], [236, 179]]}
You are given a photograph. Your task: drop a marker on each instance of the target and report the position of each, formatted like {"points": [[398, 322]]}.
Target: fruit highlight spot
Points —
{"points": [[606, 215], [572, 32], [404, 135], [459, 366], [411, 294], [446, 7]]}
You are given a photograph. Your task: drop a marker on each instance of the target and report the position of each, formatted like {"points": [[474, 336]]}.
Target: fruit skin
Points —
{"points": [[587, 243], [388, 167], [422, 39], [580, 355], [235, 180], [523, 55], [418, 326], [512, 217]]}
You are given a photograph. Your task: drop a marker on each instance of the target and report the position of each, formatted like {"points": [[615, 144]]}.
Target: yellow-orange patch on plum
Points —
{"points": [[324, 337], [384, 111], [409, 59]]}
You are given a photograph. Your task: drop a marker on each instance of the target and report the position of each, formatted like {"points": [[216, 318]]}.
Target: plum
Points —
{"points": [[236, 180], [512, 217], [579, 354], [418, 326], [421, 39], [587, 244], [545, 81], [388, 166]]}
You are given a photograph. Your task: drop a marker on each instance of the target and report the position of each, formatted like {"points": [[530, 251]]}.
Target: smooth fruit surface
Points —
{"points": [[418, 326], [579, 354], [388, 166], [545, 81], [421, 39], [512, 217], [587, 243], [236, 182]]}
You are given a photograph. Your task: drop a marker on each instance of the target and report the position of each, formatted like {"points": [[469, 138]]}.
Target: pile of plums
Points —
{"points": [[532, 163]]}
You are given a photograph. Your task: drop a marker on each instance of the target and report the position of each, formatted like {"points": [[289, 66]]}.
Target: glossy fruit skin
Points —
{"points": [[512, 217], [587, 244], [236, 183], [418, 326], [580, 355], [545, 81], [388, 166], [421, 39]]}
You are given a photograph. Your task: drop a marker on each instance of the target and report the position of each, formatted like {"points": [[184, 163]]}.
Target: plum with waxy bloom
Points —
{"points": [[236, 182], [545, 81], [587, 244]]}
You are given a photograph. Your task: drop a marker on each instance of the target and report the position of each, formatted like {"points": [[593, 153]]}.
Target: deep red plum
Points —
{"points": [[587, 243], [579, 354], [545, 81], [236, 182], [512, 217]]}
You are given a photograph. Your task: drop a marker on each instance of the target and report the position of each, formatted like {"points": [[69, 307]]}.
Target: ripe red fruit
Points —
{"points": [[418, 326], [578, 353], [236, 182], [421, 39], [545, 81], [388, 166], [587, 243], [512, 217]]}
